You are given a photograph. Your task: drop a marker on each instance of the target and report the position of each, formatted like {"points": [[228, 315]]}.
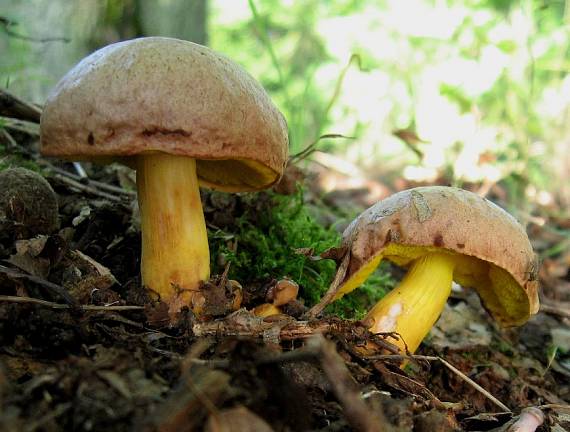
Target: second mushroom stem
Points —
{"points": [[175, 255], [413, 307]]}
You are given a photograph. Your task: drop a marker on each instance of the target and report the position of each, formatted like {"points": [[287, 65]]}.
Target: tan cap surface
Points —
{"points": [[499, 261], [167, 95]]}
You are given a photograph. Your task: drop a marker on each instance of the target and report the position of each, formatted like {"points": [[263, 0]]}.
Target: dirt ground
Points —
{"points": [[81, 349]]}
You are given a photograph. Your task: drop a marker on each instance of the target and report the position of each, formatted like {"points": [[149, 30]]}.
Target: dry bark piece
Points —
{"points": [[28, 203], [83, 275], [28, 256], [440, 233], [181, 114], [236, 420]]}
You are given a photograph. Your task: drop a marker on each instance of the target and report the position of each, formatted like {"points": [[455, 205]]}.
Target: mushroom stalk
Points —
{"points": [[175, 255], [413, 307]]}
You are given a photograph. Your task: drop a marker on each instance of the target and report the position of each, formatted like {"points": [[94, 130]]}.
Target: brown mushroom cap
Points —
{"points": [[167, 95], [493, 252]]}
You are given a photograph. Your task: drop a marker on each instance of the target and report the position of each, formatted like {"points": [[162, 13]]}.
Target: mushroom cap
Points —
{"points": [[166, 95], [493, 253]]}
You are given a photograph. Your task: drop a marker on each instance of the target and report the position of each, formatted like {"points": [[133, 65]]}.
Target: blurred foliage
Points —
{"points": [[484, 84]]}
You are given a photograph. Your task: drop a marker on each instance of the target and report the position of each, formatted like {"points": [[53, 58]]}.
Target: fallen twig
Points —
{"points": [[555, 407], [24, 126], [450, 367], [358, 414], [97, 184], [77, 184], [6, 138], [59, 290], [244, 324], [18, 299], [14, 107], [553, 310]]}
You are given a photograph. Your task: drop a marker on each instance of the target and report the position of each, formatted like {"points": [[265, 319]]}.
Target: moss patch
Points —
{"points": [[268, 232]]}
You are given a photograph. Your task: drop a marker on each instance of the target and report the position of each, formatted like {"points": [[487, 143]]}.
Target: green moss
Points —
{"points": [[267, 239]]}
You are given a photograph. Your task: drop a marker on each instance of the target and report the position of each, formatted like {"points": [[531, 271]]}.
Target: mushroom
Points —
{"points": [[182, 115], [440, 234], [281, 293]]}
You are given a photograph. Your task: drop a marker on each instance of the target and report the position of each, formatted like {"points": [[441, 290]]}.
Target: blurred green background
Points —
{"points": [[456, 92]]}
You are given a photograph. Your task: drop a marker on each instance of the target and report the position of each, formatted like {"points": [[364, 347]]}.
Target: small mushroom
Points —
{"points": [[284, 291], [441, 234], [281, 293], [181, 114]]}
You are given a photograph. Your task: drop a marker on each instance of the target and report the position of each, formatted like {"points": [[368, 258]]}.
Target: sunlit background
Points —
{"points": [[470, 93]]}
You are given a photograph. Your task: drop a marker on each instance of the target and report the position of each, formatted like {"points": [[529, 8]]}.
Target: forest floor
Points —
{"points": [[81, 349]]}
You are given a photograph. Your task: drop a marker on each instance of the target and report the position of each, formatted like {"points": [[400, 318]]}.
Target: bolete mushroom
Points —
{"points": [[181, 114], [440, 234]]}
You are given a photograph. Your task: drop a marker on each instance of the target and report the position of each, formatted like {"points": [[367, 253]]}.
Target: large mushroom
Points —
{"points": [[440, 234], [181, 114]]}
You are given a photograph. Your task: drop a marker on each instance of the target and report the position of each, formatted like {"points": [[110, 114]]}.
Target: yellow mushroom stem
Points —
{"points": [[175, 255], [413, 307]]}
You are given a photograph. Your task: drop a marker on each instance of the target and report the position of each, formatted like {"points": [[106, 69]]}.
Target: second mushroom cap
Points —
{"points": [[492, 251]]}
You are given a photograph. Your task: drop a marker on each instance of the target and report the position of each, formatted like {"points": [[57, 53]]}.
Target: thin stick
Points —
{"points": [[555, 407], [553, 310], [86, 188], [25, 126], [104, 186], [449, 366], [59, 290], [13, 107], [18, 299], [357, 413], [12, 142]]}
